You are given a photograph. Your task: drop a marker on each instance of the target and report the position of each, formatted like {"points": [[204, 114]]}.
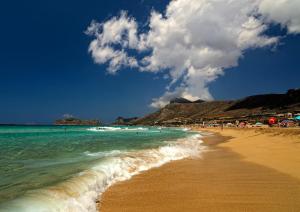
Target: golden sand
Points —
{"points": [[275, 148], [255, 170]]}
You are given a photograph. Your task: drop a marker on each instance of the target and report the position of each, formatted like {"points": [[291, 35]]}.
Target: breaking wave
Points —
{"points": [[81, 192], [105, 129]]}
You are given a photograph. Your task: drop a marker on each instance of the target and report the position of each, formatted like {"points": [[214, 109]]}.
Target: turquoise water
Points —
{"points": [[72, 165]]}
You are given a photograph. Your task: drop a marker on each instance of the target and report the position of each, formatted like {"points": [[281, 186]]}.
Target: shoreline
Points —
{"points": [[233, 175], [74, 183]]}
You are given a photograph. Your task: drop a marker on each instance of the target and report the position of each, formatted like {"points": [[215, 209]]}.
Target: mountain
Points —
{"points": [[269, 100], [180, 100], [252, 108]]}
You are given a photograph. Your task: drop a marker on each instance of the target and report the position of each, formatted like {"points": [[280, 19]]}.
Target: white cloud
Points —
{"points": [[67, 115], [285, 12], [193, 41], [120, 31]]}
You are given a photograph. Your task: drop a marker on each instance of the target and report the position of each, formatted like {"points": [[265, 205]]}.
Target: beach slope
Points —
{"points": [[252, 170]]}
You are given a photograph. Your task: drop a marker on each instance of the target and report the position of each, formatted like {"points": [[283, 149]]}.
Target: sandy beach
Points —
{"points": [[243, 170]]}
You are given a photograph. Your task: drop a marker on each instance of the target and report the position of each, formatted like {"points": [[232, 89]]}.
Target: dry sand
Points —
{"points": [[252, 170]]}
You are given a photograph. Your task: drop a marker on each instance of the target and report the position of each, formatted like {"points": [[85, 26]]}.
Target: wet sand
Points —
{"points": [[232, 176]]}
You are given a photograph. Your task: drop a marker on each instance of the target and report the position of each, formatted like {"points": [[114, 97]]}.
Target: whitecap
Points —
{"points": [[81, 191]]}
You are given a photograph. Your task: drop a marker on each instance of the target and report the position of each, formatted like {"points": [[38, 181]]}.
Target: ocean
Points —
{"points": [[67, 168]]}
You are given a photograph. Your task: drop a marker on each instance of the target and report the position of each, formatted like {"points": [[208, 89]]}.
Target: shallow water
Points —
{"points": [[65, 168]]}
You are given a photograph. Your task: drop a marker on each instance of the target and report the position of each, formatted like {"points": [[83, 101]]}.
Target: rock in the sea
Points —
{"points": [[76, 121], [125, 121]]}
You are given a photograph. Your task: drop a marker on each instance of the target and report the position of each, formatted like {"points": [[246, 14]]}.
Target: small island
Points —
{"points": [[124, 121], [76, 121]]}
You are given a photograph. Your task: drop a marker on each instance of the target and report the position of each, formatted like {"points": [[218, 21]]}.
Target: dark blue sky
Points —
{"points": [[46, 71]]}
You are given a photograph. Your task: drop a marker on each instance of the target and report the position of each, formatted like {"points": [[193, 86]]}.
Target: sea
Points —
{"points": [[67, 168]]}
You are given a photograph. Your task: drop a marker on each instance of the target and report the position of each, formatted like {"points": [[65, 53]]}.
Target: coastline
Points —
{"points": [[99, 158], [245, 170]]}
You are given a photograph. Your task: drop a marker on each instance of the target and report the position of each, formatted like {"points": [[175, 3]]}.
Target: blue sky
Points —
{"points": [[46, 70]]}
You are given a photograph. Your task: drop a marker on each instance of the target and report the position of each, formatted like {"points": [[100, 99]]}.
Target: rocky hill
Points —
{"points": [[76, 121], [252, 108]]}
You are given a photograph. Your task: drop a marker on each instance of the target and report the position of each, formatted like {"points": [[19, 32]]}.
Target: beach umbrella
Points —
{"points": [[297, 118], [272, 120]]}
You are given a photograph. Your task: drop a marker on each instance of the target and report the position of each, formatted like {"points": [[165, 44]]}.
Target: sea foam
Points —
{"points": [[81, 192], [107, 129]]}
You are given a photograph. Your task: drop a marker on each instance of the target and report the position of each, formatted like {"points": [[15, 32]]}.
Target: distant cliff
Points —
{"points": [[76, 121], [252, 108]]}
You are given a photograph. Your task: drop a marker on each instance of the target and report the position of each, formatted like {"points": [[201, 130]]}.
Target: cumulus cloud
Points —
{"points": [[119, 31], [193, 41], [285, 12]]}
